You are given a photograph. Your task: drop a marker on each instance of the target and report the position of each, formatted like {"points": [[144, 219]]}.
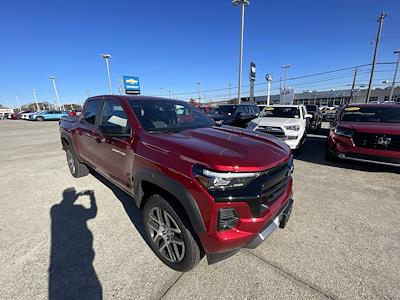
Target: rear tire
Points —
{"points": [[76, 168], [169, 236]]}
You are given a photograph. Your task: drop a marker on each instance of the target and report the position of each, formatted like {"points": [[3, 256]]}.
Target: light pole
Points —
{"points": [[243, 4], [17, 99], [285, 67], [162, 91], [395, 75], [268, 77], [378, 38], [34, 97], [199, 90], [107, 57], [53, 80]]}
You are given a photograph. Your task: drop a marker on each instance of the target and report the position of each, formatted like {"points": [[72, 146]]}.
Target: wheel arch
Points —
{"points": [[148, 182]]}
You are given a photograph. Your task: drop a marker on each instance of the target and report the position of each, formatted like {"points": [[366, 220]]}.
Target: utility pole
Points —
{"points": [[353, 85], [34, 97], [230, 91], [199, 91], [378, 37], [395, 75]]}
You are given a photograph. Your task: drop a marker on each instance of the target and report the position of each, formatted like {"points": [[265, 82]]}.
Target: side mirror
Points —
{"points": [[308, 116], [239, 114], [113, 130]]}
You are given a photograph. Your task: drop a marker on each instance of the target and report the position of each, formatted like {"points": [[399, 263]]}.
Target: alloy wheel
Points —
{"points": [[166, 234], [71, 162]]}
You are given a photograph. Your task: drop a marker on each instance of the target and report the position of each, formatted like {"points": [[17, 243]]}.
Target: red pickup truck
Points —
{"points": [[366, 132], [203, 189]]}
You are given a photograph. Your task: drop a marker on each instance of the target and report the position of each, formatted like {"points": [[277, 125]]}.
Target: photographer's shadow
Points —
{"points": [[71, 271]]}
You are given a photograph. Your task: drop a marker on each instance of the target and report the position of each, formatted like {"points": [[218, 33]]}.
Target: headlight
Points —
{"points": [[212, 181], [251, 126], [293, 127], [343, 132]]}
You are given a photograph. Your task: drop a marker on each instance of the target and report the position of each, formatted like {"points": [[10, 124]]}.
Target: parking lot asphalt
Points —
{"points": [[342, 241]]}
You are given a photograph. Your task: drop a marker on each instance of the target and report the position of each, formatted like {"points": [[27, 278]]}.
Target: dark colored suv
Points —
{"points": [[316, 120], [203, 189], [238, 115]]}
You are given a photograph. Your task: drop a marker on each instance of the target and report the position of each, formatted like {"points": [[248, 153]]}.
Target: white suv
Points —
{"points": [[287, 122]]}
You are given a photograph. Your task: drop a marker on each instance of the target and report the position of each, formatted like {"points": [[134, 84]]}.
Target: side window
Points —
{"points": [[91, 111], [239, 109], [114, 114]]}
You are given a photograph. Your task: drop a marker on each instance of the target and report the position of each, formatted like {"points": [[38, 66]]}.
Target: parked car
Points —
{"points": [[50, 115], [73, 113], [25, 115], [316, 119], [202, 188], [286, 122], [329, 115], [366, 132], [238, 115]]}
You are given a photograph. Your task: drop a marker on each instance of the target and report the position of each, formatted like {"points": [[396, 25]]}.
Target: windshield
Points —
{"points": [[225, 110], [168, 116], [280, 112], [311, 108], [388, 114]]}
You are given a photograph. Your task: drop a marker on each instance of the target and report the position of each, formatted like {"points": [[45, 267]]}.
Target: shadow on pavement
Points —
{"points": [[313, 151], [133, 212], [71, 271]]}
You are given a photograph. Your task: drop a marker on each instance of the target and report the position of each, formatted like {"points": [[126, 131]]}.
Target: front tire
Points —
{"points": [[76, 168], [40, 119], [169, 236]]}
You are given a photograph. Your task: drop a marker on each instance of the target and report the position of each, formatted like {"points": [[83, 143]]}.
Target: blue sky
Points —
{"points": [[174, 44]]}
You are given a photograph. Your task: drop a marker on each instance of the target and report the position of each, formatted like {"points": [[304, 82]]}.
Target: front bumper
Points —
{"points": [[280, 221], [344, 148]]}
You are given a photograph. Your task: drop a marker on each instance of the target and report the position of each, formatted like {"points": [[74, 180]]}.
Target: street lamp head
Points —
{"points": [[52, 77], [238, 2], [396, 51], [106, 56], [268, 77], [286, 66]]}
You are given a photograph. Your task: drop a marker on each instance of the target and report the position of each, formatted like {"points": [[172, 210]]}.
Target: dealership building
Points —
{"points": [[331, 98]]}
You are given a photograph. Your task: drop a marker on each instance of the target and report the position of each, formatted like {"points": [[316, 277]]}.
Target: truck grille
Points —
{"points": [[377, 141], [276, 131]]}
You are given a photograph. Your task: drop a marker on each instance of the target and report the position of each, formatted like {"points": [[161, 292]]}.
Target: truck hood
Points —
{"points": [[276, 122], [369, 127], [223, 148]]}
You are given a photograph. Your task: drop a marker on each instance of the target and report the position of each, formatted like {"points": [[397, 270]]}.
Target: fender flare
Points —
{"points": [[65, 136], [173, 187]]}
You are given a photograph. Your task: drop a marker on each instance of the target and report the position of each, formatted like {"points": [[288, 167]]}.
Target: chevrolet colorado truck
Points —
{"points": [[203, 189]]}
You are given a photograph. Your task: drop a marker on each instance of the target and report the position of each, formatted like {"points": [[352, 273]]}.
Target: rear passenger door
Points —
{"points": [[85, 140]]}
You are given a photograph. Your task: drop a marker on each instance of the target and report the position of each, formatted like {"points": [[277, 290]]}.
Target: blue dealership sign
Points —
{"points": [[131, 85]]}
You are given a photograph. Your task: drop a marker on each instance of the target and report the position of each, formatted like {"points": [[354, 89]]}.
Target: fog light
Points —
{"points": [[292, 137], [227, 218]]}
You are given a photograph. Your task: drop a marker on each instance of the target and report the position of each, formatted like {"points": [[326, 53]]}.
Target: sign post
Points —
{"points": [[131, 85], [252, 79]]}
